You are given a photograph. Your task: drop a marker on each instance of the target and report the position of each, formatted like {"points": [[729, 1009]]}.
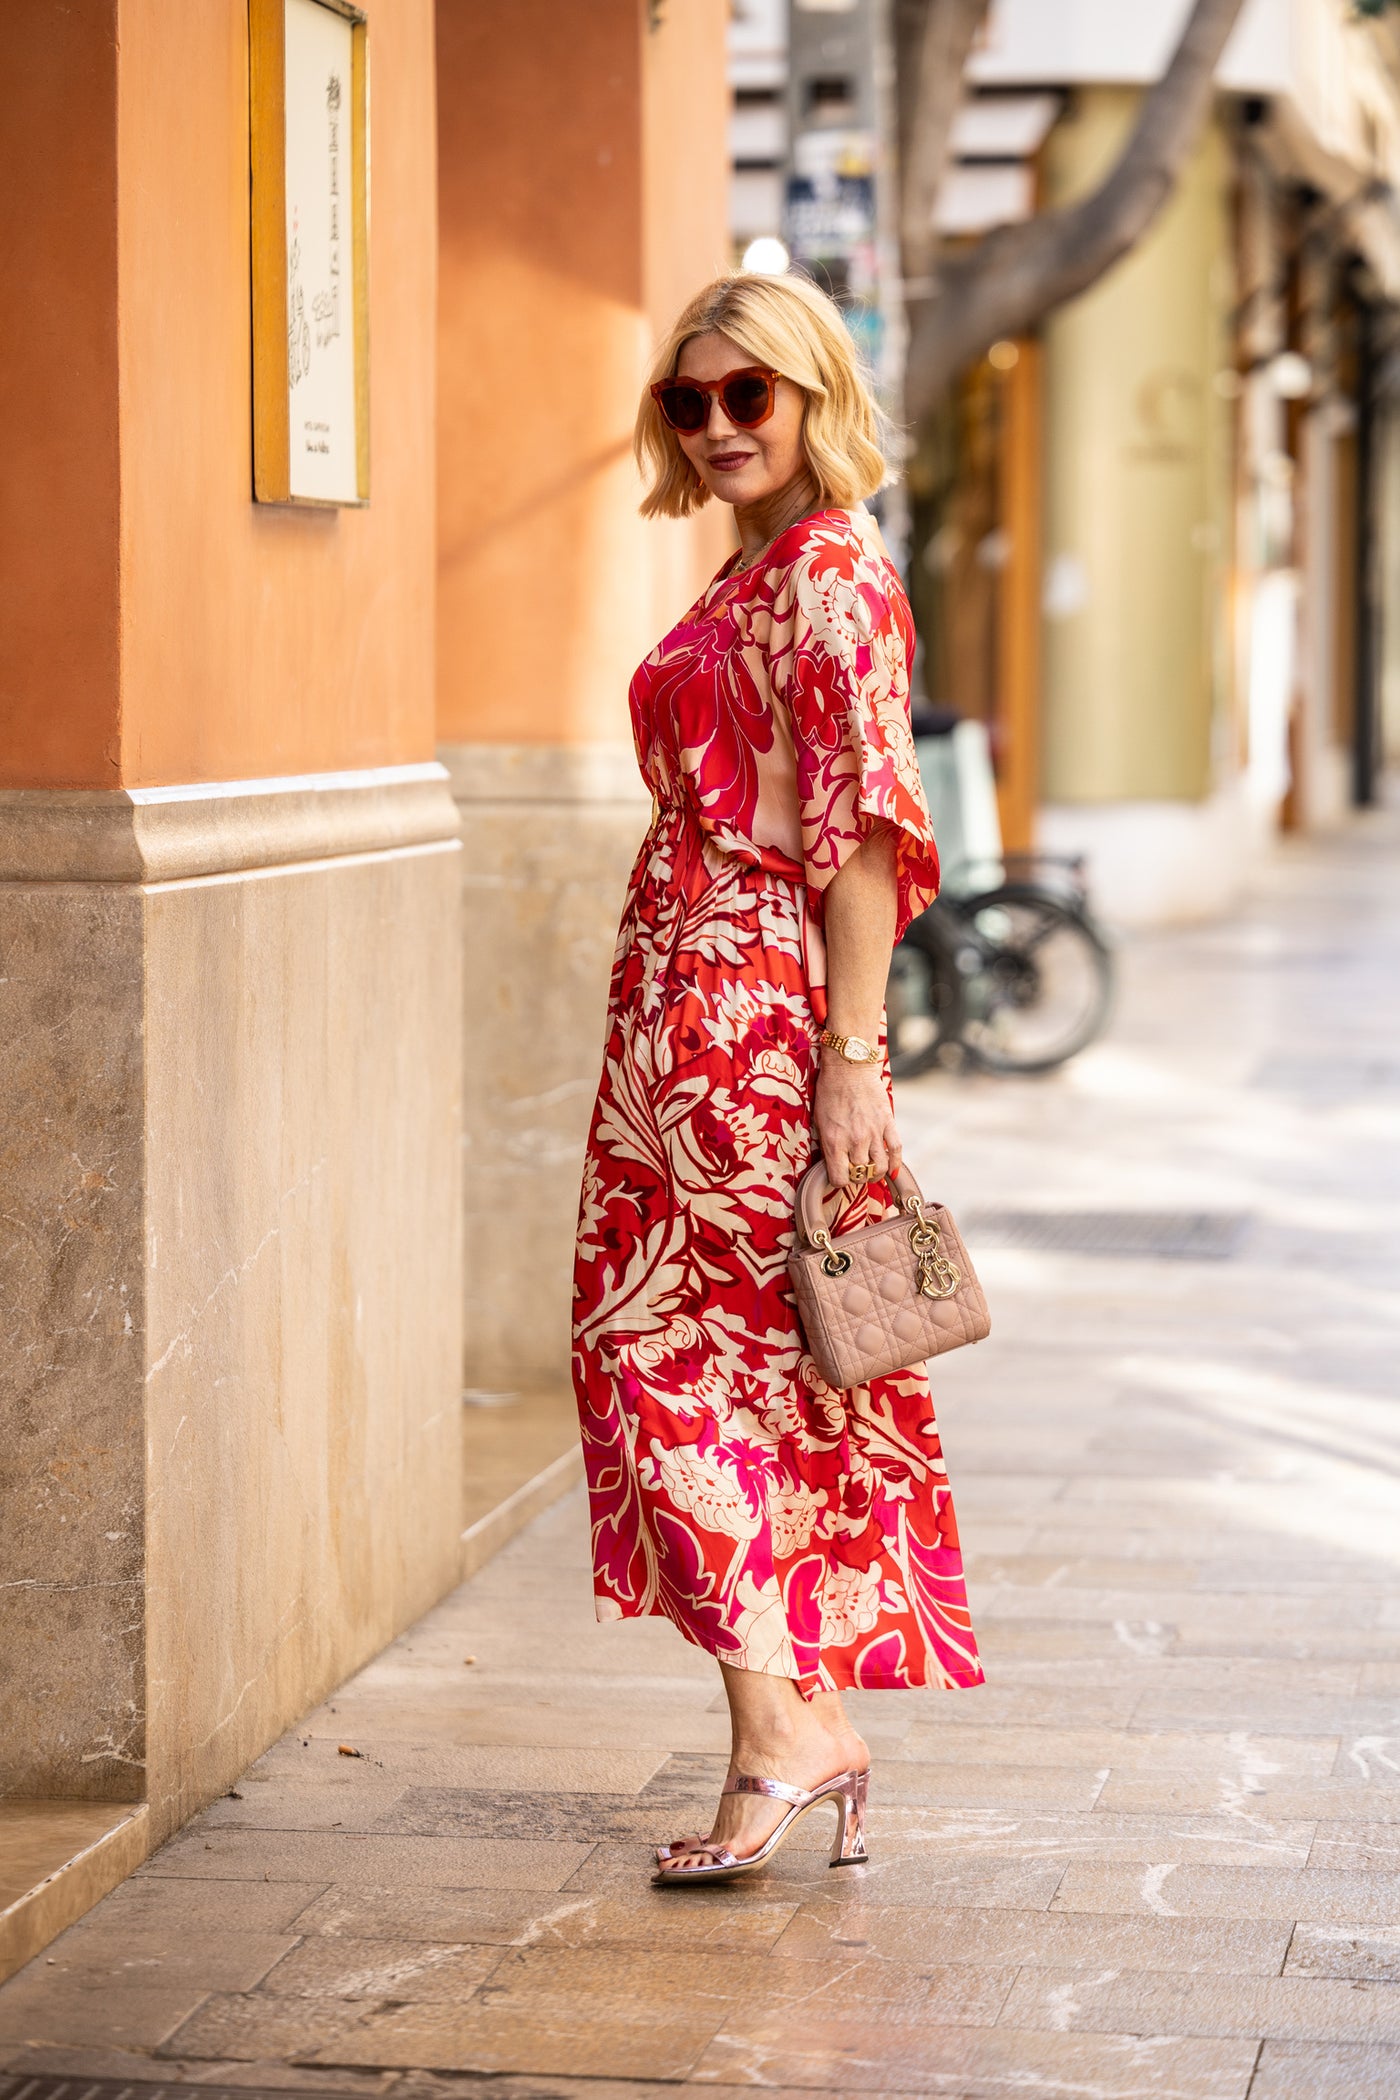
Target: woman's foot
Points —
{"points": [[801, 1742]]}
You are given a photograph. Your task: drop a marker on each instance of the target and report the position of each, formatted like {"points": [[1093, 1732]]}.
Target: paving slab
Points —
{"points": [[1367, 1954], [1292, 2008], [1169, 1889], [1119, 1751], [1319, 2071], [1250, 1791], [632, 2042], [1357, 1847], [40, 2005], [255, 2024], [274, 1854], [961, 2064], [927, 1882], [111, 1954], [411, 1971], [1054, 1939], [176, 1909]]}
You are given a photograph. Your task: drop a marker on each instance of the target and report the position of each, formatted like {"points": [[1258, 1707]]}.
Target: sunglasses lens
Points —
{"points": [[746, 400], [684, 407]]}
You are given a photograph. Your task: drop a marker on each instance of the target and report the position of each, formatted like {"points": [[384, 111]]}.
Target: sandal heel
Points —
{"points": [[715, 1862], [849, 1849]]}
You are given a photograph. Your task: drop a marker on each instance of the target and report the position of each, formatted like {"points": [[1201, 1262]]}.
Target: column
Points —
{"points": [[581, 203], [229, 946], [1137, 544]]}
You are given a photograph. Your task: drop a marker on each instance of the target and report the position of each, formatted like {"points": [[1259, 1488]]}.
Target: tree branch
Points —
{"points": [[1017, 274], [933, 41]]}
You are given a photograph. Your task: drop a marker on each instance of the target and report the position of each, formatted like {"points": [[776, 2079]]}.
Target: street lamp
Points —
{"points": [[766, 256], [1290, 376]]}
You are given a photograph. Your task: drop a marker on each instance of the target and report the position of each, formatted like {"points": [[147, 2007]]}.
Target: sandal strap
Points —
{"points": [[720, 1854], [777, 1789], [679, 1845]]}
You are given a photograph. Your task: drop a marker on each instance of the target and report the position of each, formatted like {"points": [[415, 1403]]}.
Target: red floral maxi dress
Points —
{"points": [[781, 1525]]}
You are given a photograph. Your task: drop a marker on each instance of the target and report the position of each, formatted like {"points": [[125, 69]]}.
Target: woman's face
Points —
{"points": [[741, 466]]}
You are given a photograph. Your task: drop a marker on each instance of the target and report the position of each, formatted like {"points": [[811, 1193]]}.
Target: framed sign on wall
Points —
{"points": [[309, 133]]}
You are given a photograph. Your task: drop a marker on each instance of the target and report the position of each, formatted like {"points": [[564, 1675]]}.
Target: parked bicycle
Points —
{"points": [[1010, 976]]}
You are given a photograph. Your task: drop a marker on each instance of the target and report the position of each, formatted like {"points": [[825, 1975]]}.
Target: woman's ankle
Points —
{"points": [[769, 1745], [777, 1734]]}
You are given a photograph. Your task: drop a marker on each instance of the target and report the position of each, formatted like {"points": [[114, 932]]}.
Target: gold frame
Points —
{"points": [[267, 130]]}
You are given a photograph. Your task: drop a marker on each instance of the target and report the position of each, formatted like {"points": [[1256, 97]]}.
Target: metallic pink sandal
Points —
{"points": [[848, 1790]]}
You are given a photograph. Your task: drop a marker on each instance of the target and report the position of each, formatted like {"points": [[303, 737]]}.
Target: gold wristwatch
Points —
{"points": [[853, 1048]]}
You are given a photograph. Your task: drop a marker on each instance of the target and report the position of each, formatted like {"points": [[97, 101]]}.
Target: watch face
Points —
{"points": [[857, 1050]]}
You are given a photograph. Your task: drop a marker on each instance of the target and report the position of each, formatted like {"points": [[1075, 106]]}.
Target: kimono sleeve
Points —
{"points": [[843, 639]]}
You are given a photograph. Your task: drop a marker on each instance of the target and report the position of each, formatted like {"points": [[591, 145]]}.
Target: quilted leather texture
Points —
{"points": [[872, 1319]]}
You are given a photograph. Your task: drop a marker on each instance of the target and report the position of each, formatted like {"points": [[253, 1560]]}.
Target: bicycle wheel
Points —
{"points": [[1038, 980], [923, 998]]}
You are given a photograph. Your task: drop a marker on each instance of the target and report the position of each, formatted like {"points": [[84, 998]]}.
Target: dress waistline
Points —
{"points": [[753, 867]]}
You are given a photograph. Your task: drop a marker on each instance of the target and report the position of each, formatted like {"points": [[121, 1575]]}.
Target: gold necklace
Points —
{"points": [[759, 552]]}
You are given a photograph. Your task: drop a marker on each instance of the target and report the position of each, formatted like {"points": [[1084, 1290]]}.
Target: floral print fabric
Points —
{"points": [[781, 1525]]}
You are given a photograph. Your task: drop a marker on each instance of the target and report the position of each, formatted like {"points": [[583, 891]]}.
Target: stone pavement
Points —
{"points": [[1158, 1855]]}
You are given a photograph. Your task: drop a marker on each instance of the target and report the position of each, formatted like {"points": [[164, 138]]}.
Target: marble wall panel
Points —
{"points": [[71, 1341], [230, 1268], [304, 1319], [549, 836]]}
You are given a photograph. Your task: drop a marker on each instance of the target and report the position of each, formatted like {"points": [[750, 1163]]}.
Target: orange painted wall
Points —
{"points": [[59, 485], [251, 641], [583, 182], [256, 639], [686, 168], [553, 121], [686, 155]]}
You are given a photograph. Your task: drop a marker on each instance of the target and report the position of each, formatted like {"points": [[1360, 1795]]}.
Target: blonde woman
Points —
{"points": [[804, 1537]]}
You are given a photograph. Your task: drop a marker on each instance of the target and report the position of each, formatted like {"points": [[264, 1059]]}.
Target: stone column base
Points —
{"points": [[549, 835], [229, 1264]]}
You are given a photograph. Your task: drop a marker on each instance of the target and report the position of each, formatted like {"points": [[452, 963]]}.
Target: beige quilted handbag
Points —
{"points": [[885, 1296]]}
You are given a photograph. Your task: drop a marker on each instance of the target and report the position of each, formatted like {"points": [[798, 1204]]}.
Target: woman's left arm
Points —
{"points": [[854, 1119]]}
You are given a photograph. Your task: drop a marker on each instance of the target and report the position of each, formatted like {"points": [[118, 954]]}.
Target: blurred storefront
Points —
{"points": [[1220, 566], [1156, 547]]}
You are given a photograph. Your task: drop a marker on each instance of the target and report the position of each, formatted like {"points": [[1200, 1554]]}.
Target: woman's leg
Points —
{"points": [[777, 1734]]}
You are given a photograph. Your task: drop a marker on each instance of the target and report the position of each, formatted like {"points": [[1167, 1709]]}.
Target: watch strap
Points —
{"points": [[830, 1040]]}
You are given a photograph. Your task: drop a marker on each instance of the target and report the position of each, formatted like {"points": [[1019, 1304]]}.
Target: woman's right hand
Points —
{"points": [[855, 1122]]}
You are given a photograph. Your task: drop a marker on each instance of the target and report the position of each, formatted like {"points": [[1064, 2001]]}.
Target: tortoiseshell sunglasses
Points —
{"points": [[747, 397]]}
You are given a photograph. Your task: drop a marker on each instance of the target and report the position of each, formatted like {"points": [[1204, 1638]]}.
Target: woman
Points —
{"points": [[805, 1537]]}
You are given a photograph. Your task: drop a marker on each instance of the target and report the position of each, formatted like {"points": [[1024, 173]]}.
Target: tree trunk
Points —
{"points": [[1016, 275], [933, 40]]}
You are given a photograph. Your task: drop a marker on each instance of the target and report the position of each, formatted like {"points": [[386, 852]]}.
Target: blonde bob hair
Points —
{"points": [[788, 324]]}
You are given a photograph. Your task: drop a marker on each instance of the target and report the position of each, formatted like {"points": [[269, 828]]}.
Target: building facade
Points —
{"points": [[313, 830], [314, 824], [1218, 508]]}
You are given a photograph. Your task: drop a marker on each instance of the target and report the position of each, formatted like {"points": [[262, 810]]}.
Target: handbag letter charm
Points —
{"points": [[938, 1277]]}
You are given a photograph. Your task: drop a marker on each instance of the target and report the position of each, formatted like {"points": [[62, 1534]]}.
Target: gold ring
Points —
{"points": [[861, 1170]]}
